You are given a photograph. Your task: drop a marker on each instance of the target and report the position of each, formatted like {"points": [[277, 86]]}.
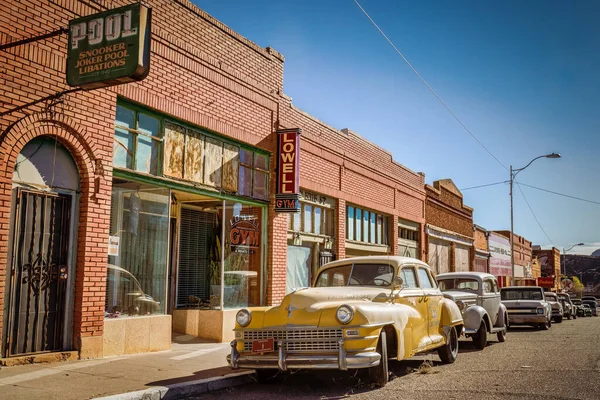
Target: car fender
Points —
{"points": [[473, 316], [501, 320], [451, 316]]}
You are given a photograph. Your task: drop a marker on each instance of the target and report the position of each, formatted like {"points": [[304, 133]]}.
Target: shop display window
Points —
{"points": [[138, 250]]}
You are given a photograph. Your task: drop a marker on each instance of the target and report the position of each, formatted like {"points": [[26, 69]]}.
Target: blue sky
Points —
{"points": [[521, 75]]}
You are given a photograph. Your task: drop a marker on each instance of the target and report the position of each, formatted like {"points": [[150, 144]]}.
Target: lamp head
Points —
{"points": [[580, 244], [553, 155]]}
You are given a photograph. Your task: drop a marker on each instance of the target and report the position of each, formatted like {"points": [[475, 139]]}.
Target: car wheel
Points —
{"points": [[547, 325], [480, 338], [502, 335], [379, 374], [574, 316], [266, 375], [449, 351], [558, 320]]}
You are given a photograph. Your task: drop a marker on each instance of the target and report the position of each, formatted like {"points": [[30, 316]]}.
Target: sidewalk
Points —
{"points": [[189, 368]]}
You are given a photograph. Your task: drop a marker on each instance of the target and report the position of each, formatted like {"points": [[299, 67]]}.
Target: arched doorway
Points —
{"points": [[40, 277]]}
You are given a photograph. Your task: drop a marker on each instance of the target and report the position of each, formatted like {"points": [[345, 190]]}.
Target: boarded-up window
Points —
{"points": [[213, 162], [174, 148], [461, 258], [439, 255], [231, 163], [194, 151]]}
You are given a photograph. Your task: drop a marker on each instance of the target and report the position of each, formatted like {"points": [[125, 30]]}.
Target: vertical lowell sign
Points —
{"points": [[288, 167], [109, 48]]}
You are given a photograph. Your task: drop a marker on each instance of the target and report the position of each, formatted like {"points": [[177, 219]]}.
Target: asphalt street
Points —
{"points": [[561, 363]]}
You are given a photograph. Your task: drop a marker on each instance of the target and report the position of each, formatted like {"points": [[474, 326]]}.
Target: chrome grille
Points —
{"points": [[522, 311], [297, 340]]}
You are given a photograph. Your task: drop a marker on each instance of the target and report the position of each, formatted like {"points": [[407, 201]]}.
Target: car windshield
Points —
{"points": [[521, 294], [458, 284], [591, 303], [551, 297], [368, 274]]}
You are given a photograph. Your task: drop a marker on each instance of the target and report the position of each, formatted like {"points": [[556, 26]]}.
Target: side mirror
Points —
{"points": [[398, 283]]}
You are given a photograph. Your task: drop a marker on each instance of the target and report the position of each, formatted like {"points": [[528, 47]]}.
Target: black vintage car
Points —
{"points": [[593, 305]]}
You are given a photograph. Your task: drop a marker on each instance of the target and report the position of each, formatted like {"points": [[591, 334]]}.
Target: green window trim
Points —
{"points": [[257, 193]]}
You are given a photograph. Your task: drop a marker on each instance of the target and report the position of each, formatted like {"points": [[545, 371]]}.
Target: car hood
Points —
{"points": [[459, 295], [304, 306]]}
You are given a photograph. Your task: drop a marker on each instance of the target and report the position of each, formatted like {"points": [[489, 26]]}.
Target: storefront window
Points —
{"points": [[366, 226], [243, 255], [312, 219], [137, 254], [350, 223], [254, 175], [358, 224], [137, 140]]}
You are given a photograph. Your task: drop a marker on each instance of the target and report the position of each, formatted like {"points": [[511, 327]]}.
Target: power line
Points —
{"points": [[429, 87], [534, 216], [561, 194], [482, 186]]}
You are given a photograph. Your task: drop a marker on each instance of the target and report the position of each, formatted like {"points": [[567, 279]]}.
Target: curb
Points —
{"points": [[186, 389]]}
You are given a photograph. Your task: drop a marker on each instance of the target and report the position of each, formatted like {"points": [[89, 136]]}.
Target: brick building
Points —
{"points": [[549, 261], [522, 248], [123, 207], [482, 250], [449, 229]]}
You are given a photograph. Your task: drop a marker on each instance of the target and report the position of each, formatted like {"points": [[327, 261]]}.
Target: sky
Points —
{"points": [[522, 76]]}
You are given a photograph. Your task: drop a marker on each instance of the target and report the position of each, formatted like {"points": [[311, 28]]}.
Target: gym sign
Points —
{"points": [[109, 48], [288, 171]]}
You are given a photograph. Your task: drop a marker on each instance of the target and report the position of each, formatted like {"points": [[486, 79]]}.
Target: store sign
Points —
{"points": [[316, 199], [288, 171], [109, 48], [244, 234], [499, 247], [546, 282]]}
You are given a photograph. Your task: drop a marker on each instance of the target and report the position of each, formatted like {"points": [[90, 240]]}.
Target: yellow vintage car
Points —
{"points": [[359, 313]]}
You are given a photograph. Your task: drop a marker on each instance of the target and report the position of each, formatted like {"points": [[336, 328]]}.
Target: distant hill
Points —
{"points": [[587, 268]]}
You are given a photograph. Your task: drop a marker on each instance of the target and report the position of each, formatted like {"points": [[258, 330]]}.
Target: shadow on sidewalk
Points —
{"points": [[202, 374]]}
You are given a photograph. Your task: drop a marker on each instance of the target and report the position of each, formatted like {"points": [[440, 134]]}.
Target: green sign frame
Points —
{"points": [[109, 48]]}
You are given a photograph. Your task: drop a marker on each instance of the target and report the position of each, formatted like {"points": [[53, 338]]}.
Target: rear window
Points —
{"points": [[521, 294]]}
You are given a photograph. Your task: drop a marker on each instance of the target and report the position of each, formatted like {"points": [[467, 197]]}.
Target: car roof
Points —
{"points": [[480, 275], [394, 260]]}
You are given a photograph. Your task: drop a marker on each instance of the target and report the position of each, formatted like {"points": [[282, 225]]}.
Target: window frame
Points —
{"points": [[135, 132], [361, 223], [429, 277]]}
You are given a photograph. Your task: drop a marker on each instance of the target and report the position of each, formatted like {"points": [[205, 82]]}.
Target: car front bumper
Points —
{"points": [[284, 361], [526, 319]]}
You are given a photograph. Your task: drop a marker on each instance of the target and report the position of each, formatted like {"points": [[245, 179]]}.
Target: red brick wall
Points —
{"points": [[201, 72], [28, 73], [481, 242]]}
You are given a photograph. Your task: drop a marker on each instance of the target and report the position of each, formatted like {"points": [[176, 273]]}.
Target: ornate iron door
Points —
{"points": [[39, 273]]}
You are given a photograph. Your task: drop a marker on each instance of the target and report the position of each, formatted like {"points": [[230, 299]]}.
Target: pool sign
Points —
{"points": [[109, 48]]}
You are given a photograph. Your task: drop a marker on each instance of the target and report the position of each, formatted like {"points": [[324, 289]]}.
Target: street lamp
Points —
{"points": [[513, 175], [564, 263]]}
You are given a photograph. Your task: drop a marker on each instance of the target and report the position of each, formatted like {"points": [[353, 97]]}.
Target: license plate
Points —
{"points": [[263, 345]]}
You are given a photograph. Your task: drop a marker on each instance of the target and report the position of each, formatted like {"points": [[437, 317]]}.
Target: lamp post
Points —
{"points": [[564, 263], [513, 175]]}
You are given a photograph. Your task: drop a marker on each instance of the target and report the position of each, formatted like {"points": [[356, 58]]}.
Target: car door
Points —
{"points": [[412, 296], [432, 297], [491, 298]]}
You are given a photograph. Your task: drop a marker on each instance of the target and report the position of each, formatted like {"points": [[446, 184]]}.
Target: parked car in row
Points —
{"points": [[557, 308], [527, 305], [477, 296], [587, 311], [569, 309], [593, 306], [359, 313], [579, 306]]}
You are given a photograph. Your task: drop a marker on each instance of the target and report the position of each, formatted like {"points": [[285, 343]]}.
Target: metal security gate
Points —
{"points": [[39, 272]]}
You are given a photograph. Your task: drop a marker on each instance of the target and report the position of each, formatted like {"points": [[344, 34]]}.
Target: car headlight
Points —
{"points": [[344, 314], [540, 310], [461, 305], [243, 317]]}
